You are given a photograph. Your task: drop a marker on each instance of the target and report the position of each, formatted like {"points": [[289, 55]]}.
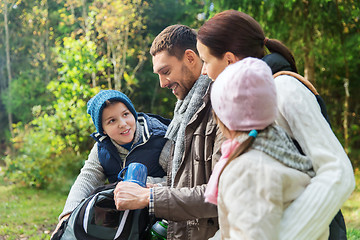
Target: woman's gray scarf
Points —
{"points": [[275, 142], [184, 111]]}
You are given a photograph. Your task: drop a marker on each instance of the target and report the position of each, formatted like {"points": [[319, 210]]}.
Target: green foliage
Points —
{"points": [[353, 234], [324, 37], [63, 127], [69, 41], [27, 91], [28, 213]]}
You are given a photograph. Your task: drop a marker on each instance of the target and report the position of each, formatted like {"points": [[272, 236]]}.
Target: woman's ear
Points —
{"points": [[231, 58]]}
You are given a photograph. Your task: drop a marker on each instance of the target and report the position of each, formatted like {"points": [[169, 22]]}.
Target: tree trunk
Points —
{"points": [[309, 68], [93, 79], [346, 113], [117, 76], [346, 81], [108, 69], [115, 62], [8, 67], [47, 44], [85, 16], [123, 54]]}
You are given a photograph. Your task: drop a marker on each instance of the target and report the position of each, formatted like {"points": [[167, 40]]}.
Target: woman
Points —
{"points": [[231, 36]]}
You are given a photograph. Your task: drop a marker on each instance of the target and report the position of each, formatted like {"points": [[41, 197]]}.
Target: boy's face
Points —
{"points": [[118, 123]]}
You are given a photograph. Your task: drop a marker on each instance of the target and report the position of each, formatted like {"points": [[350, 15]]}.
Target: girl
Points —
{"points": [[260, 172], [231, 36]]}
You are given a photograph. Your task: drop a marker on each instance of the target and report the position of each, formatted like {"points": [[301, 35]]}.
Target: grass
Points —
{"points": [[27, 213], [351, 211]]}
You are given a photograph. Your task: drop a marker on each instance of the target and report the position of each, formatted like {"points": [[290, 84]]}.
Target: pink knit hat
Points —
{"points": [[243, 96]]}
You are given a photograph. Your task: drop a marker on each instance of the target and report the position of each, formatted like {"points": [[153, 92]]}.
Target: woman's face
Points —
{"points": [[212, 66]]}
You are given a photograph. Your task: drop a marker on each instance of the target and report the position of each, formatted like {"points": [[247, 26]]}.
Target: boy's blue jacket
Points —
{"points": [[146, 151]]}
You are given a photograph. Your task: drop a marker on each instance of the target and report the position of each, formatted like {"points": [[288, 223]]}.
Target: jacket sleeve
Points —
{"points": [[91, 176], [181, 204], [309, 215]]}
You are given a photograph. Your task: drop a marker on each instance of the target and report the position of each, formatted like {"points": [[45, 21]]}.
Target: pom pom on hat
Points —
{"points": [[243, 96], [96, 104]]}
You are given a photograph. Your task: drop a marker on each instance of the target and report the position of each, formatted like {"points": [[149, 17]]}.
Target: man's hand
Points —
{"points": [[128, 195]]}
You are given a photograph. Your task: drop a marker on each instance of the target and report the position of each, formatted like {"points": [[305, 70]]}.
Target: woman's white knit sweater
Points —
{"points": [[309, 216]]}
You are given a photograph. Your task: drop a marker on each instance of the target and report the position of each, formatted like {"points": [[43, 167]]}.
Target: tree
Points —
{"points": [[6, 6], [347, 24], [324, 36], [59, 133], [121, 24]]}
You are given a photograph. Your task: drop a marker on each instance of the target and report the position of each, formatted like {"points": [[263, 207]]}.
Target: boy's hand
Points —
{"points": [[59, 224]]}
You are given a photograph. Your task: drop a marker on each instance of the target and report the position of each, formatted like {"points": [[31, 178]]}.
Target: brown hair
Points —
{"points": [[242, 148], [239, 33], [175, 39], [111, 102]]}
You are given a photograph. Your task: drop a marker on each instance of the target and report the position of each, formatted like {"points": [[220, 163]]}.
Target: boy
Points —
{"points": [[123, 136]]}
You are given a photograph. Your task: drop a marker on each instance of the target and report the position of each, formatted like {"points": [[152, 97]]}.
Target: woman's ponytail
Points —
{"points": [[275, 45]]}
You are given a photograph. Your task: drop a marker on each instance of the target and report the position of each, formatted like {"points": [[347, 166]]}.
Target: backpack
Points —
{"points": [[96, 218], [337, 226], [308, 84]]}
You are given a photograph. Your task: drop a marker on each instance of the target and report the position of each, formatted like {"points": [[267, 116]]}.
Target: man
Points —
{"points": [[193, 147]]}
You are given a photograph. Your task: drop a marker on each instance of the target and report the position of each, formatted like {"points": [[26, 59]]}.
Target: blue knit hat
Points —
{"points": [[96, 104]]}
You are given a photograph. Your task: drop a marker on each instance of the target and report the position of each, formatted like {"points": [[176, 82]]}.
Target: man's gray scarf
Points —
{"points": [[184, 111], [275, 142]]}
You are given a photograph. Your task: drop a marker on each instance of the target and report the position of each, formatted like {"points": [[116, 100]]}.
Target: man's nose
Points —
{"points": [[164, 82]]}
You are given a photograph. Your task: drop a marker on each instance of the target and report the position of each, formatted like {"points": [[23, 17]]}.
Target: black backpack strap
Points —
{"points": [[61, 230], [338, 228]]}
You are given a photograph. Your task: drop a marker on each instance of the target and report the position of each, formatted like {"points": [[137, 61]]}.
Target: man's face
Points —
{"points": [[174, 74]]}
